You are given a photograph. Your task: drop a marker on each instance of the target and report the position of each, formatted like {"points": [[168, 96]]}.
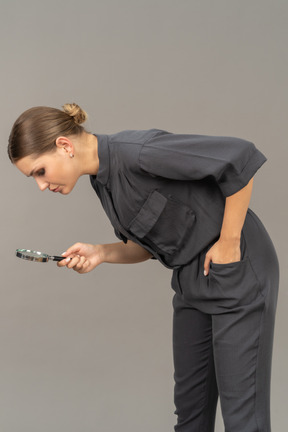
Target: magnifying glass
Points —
{"points": [[31, 255]]}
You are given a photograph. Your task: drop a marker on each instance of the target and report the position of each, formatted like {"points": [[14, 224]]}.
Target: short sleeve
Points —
{"points": [[231, 162], [120, 236]]}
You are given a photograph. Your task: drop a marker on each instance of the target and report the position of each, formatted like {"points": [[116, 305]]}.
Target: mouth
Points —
{"points": [[56, 189]]}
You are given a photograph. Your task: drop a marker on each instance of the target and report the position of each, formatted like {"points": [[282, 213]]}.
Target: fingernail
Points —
{"points": [[63, 253], [205, 273], [67, 259]]}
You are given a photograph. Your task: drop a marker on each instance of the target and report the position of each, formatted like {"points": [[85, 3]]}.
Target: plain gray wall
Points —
{"points": [[93, 352]]}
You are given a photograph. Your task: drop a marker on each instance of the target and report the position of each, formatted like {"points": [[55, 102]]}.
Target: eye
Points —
{"points": [[41, 172]]}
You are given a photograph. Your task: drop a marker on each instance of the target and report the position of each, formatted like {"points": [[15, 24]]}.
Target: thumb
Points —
{"points": [[206, 265], [74, 249]]}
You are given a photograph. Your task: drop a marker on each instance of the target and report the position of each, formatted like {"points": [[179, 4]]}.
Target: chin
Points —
{"points": [[66, 190]]}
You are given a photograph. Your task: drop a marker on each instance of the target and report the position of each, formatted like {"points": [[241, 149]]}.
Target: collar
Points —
{"points": [[104, 159]]}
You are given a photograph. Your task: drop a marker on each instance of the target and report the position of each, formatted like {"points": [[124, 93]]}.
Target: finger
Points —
{"points": [[64, 262], [84, 267], [73, 261], [74, 249], [80, 263], [206, 265]]}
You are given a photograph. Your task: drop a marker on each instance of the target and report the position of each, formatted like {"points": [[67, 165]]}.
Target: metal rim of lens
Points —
{"points": [[35, 255]]}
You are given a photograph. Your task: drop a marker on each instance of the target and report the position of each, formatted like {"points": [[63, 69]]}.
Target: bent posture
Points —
{"points": [[183, 200]]}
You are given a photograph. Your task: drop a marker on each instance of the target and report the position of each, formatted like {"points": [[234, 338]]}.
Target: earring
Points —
{"points": [[71, 155]]}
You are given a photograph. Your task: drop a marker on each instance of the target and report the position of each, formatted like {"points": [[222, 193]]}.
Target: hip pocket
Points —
{"points": [[235, 284]]}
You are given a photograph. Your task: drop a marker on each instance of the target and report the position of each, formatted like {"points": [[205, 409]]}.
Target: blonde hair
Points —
{"points": [[36, 129], [77, 113]]}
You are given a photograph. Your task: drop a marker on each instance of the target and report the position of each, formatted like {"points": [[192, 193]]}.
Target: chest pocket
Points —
{"points": [[164, 223]]}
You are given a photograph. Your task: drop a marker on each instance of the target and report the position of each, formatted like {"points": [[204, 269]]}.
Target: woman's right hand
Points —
{"points": [[82, 257]]}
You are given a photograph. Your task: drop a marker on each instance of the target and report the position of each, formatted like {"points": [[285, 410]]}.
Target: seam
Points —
{"points": [[258, 282], [142, 145], [206, 381], [252, 268], [256, 369], [133, 142]]}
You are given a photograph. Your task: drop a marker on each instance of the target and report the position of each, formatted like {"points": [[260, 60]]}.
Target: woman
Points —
{"points": [[182, 199]]}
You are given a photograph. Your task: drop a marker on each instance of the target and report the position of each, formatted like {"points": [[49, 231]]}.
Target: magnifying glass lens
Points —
{"points": [[33, 254]]}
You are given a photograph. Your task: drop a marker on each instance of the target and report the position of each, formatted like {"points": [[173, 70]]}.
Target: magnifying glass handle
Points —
{"points": [[56, 258]]}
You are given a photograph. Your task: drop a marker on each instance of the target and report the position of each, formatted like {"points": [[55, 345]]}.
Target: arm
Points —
{"points": [[83, 257], [121, 253], [227, 248]]}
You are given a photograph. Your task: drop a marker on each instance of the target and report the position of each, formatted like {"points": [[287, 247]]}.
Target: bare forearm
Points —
{"points": [[121, 253], [227, 248], [83, 257], [235, 212]]}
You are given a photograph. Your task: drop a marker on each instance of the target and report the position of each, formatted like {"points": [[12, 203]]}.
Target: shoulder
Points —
{"points": [[135, 136]]}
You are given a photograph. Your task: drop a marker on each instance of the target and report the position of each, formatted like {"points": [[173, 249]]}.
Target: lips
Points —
{"points": [[56, 189]]}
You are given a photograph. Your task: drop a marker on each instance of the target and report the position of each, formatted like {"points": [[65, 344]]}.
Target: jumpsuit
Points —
{"points": [[166, 192]]}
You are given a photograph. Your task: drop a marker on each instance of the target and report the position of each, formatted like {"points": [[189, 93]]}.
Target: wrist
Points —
{"points": [[104, 253], [230, 237]]}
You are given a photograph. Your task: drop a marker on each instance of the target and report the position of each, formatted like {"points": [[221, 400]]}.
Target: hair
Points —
{"points": [[36, 130]]}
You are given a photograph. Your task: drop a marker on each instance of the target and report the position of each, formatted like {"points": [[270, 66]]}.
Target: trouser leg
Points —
{"points": [[195, 384], [243, 336], [243, 342], [238, 341], [242, 351], [238, 301], [241, 300]]}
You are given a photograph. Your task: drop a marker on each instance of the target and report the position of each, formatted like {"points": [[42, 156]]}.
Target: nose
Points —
{"points": [[42, 184]]}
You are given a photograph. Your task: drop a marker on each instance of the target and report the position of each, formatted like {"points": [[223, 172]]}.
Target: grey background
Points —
{"points": [[93, 352]]}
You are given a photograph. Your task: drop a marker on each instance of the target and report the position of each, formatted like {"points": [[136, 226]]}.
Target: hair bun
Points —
{"points": [[78, 114]]}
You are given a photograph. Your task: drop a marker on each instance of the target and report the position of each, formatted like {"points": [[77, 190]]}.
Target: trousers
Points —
{"points": [[223, 328]]}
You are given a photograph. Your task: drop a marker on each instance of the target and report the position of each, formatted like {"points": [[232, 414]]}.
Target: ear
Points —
{"points": [[65, 144]]}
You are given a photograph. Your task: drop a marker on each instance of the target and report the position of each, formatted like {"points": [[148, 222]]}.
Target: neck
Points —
{"points": [[89, 154]]}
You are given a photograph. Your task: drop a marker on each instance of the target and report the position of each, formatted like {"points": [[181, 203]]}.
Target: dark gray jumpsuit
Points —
{"points": [[167, 193]]}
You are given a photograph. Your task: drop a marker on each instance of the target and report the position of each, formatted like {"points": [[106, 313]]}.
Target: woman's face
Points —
{"points": [[55, 171]]}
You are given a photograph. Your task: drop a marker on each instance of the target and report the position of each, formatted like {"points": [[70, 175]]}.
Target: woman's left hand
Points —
{"points": [[224, 251]]}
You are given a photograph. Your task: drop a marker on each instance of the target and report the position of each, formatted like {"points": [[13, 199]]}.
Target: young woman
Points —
{"points": [[181, 199]]}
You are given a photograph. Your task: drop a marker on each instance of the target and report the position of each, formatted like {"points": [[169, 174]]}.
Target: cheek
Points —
{"points": [[69, 175], [63, 173]]}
